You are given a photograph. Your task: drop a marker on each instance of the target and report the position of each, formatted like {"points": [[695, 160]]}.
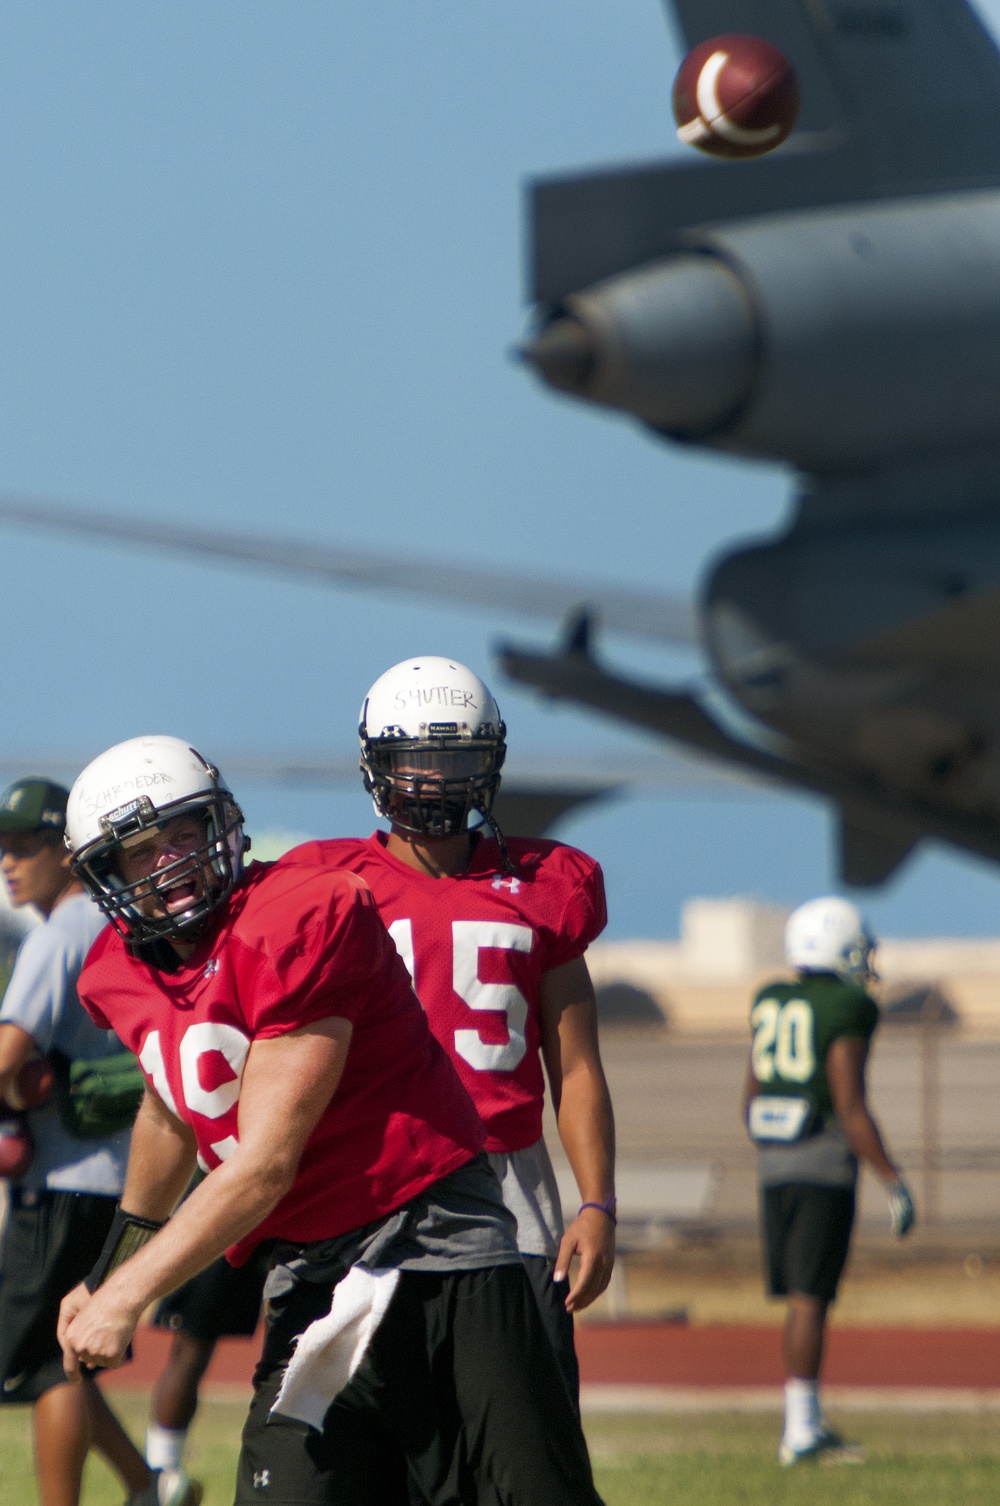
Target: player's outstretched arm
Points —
{"points": [[586, 1123], [161, 1160], [845, 1072], [287, 1082]]}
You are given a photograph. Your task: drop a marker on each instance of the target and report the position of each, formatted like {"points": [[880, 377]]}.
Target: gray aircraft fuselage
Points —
{"points": [[861, 345]]}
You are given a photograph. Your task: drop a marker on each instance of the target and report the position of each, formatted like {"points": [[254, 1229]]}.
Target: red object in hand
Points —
{"points": [[16, 1149], [735, 96], [33, 1085]]}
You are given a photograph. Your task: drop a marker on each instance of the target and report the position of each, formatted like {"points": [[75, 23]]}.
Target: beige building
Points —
{"points": [[702, 984]]}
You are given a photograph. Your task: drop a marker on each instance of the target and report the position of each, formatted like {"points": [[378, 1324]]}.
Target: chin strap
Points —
{"points": [[505, 857], [127, 1235]]}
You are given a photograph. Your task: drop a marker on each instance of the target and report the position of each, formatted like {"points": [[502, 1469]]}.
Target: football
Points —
{"points": [[33, 1084], [735, 96], [16, 1149]]}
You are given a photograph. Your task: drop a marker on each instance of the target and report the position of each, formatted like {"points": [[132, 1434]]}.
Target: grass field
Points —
{"points": [[714, 1460]]}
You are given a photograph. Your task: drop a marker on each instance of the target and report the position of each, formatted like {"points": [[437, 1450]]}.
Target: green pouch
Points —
{"points": [[98, 1098]]}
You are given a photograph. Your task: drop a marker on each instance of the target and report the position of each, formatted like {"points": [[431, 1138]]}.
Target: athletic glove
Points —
{"points": [[902, 1213]]}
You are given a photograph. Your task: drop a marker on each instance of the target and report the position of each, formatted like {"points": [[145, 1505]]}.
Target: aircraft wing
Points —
{"points": [[542, 772], [537, 791], [899, 97], [622, 609], [879, 825]]}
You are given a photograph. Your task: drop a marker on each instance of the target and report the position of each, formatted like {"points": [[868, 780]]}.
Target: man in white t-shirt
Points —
{"points": [[62, 1205]]}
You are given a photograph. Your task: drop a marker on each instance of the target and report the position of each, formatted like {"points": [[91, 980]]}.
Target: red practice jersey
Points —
{"points": [[476, 947], [296, 944]]}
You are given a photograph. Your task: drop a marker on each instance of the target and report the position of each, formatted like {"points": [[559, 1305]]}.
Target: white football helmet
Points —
{"points": [[432, 746], [828, 936], [139, 785]]}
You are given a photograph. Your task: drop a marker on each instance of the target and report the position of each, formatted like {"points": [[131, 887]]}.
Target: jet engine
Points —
{"points": [[835, 340]]}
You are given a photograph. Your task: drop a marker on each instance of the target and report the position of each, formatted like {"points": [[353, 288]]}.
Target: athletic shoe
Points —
{"points": [[175, 1487], [826, 1448], [169, 1487]]}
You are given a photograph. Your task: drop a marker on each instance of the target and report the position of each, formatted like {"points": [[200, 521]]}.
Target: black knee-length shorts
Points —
{"points": [[50, 1243], [460, 1401], [222, 1301], [807, 1234]]}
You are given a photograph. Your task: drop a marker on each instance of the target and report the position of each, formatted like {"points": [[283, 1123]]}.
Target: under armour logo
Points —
{"points": [[261, 1479], [212, 966], [513, 884]]}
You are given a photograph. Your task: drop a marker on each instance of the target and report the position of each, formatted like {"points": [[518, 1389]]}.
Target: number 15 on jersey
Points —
{"points": [[468, 939]]}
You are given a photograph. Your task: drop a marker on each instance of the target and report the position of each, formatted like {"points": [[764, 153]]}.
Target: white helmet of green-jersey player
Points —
{"points": [[432, 746], [138, 786], [828, 936]]}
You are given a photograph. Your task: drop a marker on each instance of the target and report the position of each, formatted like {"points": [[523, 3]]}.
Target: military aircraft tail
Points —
{"points": [[916, 82], [899, 98]]}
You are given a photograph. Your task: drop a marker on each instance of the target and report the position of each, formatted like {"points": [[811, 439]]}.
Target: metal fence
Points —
{"points": [[686, 1167]]}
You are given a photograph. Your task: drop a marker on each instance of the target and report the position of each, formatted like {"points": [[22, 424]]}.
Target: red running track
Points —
{"points": [[662, 1354]]}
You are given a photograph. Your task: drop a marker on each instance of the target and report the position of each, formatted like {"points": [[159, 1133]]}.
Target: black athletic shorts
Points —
{"points": [[557, 1322], [807, 1233], [460, 1378], [51, 1241], [222, 1301]]}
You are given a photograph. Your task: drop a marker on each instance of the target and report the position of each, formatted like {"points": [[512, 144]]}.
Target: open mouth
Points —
{"points": [[180, 896]]}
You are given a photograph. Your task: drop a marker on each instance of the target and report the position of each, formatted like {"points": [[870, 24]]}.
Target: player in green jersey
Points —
{"points": [[806, 1110]]}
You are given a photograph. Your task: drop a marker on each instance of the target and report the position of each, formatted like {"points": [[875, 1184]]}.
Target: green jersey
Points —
{"points": [[794, 1026]]}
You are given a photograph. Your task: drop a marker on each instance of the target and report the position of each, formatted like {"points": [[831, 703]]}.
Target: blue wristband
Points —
{"points": [[610, 1208]]}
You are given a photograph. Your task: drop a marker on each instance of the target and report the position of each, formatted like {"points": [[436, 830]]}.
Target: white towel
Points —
{"points": [[329, 1351]]}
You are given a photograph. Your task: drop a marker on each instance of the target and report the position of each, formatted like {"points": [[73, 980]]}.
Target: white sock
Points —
{"points": [[802, 1414], [164, 1446]]}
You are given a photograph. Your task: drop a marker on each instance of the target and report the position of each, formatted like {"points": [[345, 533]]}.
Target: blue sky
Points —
{"points": [[260, 265]]}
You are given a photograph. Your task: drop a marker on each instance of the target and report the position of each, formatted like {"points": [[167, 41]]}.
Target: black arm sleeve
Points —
{"points": [[128, 1234]]}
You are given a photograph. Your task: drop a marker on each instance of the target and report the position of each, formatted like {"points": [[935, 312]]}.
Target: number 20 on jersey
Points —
{"points": [[783, 1041]]}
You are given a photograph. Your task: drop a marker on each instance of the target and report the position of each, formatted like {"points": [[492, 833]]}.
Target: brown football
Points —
{"points": [[735, 96]]}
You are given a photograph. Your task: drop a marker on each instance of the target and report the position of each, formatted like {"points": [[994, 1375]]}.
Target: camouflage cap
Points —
{"points": [[33, 805]]}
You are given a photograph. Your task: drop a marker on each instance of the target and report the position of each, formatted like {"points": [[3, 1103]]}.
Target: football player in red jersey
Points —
{"points": [[493, 934], [284, 1049]]}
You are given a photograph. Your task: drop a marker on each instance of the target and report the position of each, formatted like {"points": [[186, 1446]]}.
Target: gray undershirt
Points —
{"points": [[824, 1160], [530, 1190], [457, 1224]]}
